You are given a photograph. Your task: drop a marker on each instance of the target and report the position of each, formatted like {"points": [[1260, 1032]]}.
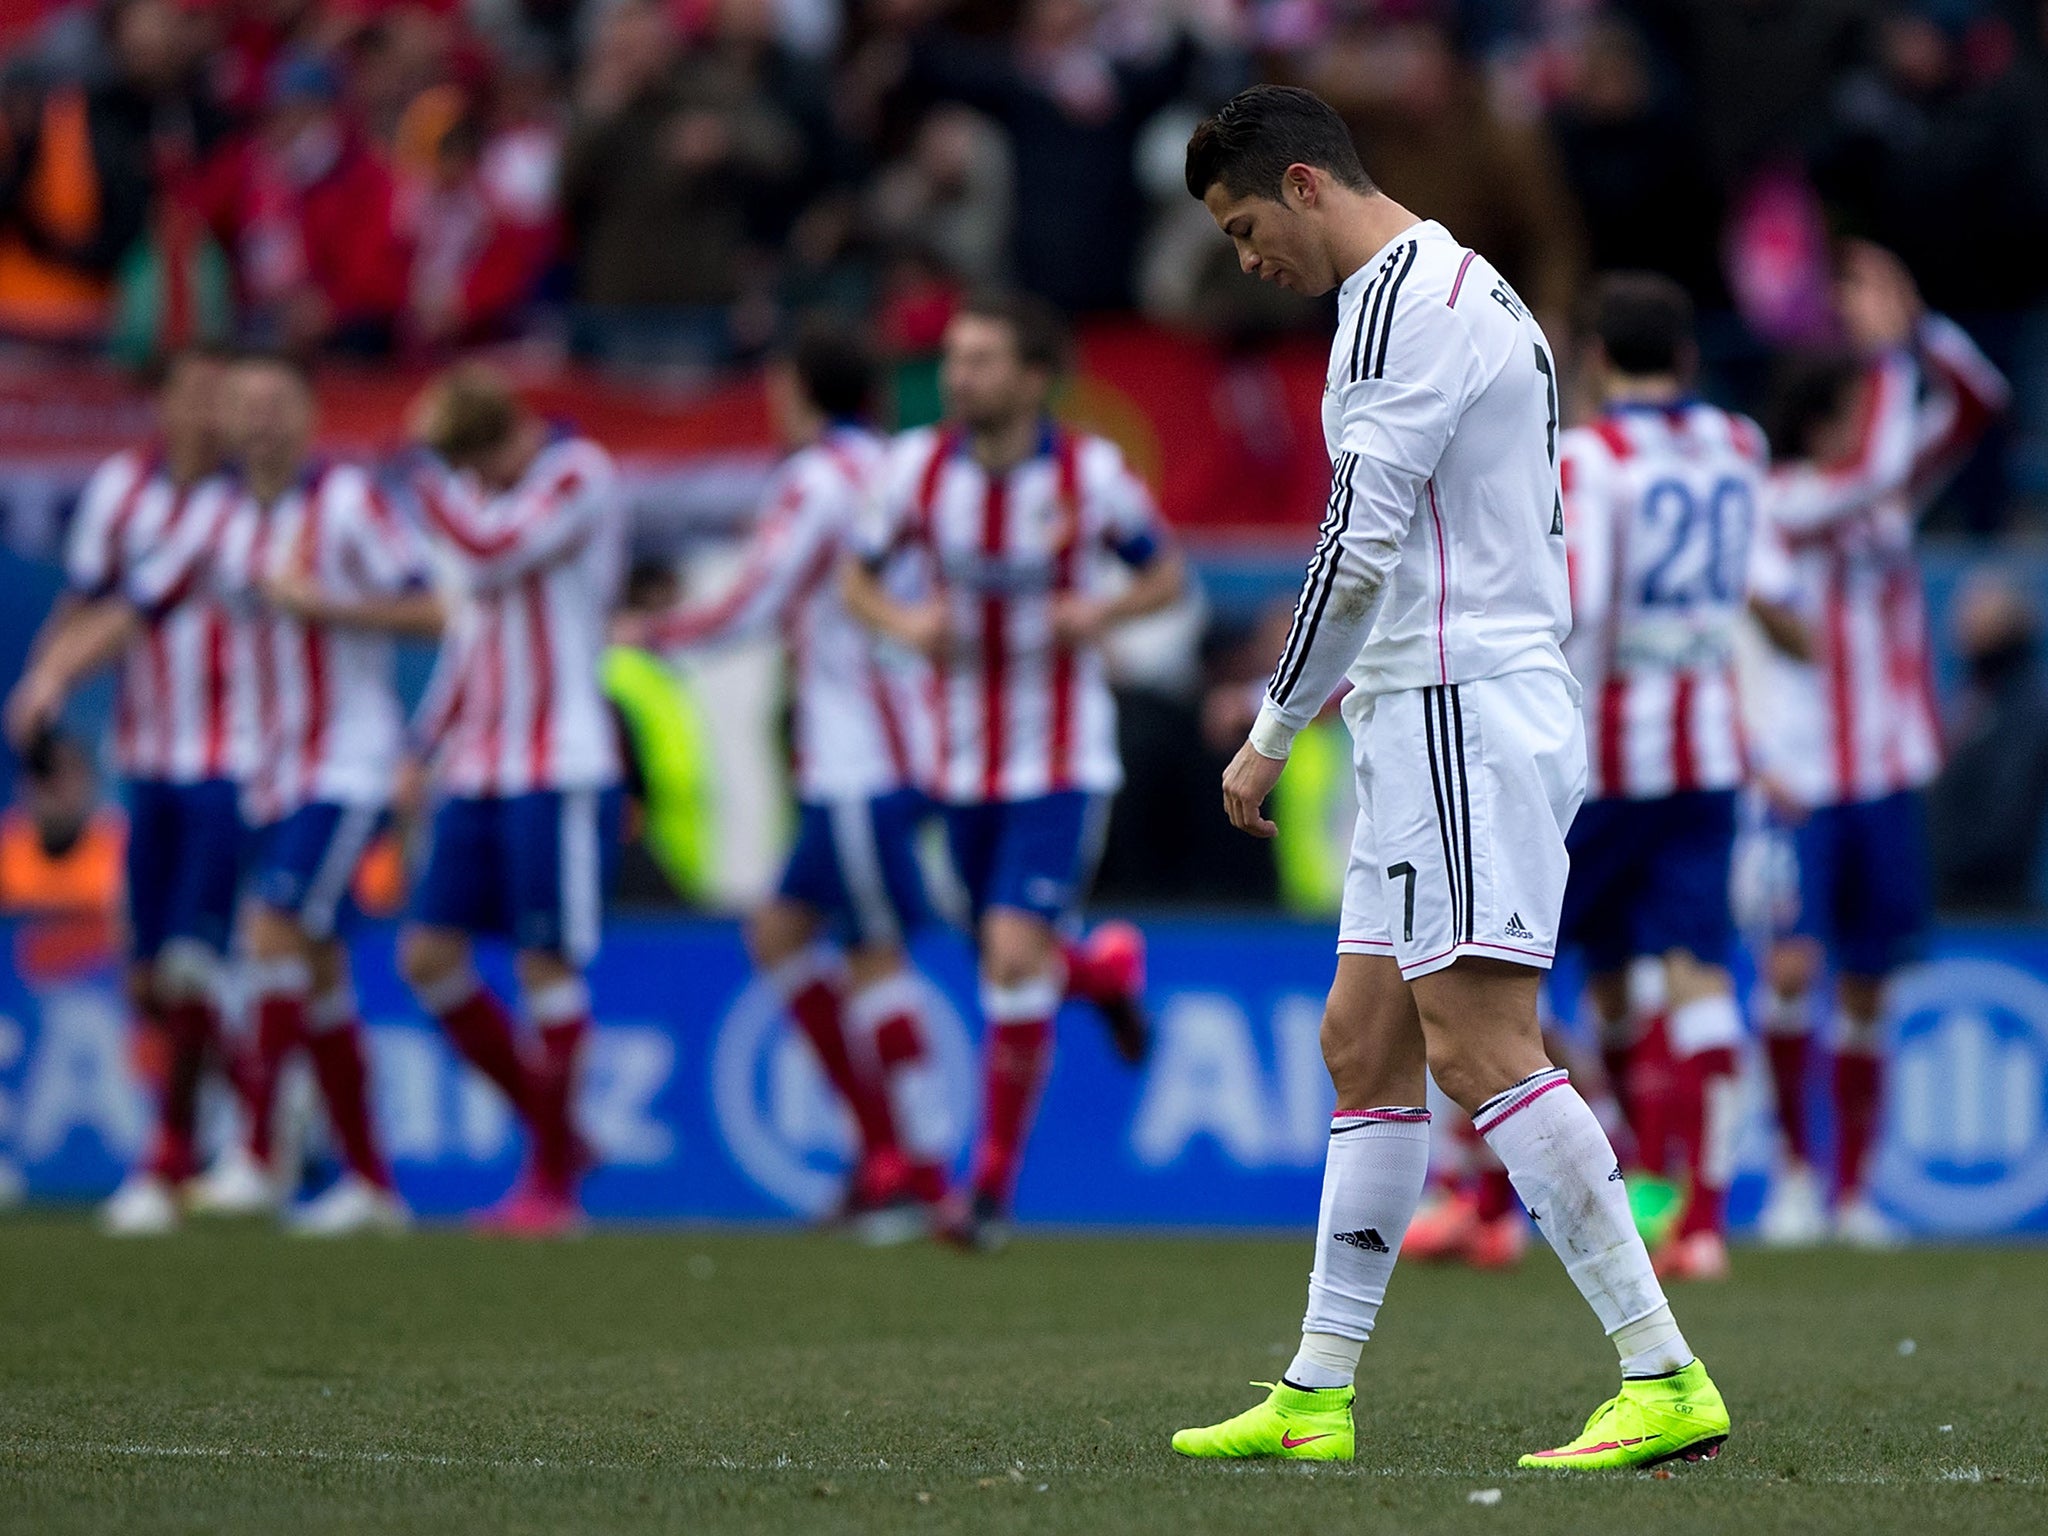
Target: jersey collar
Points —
{"points": [[1421, 229]]}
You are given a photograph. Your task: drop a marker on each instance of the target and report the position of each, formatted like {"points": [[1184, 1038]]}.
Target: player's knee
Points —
{"points": [[540, 969], [430, 955], [777, 932], [1860, 1001], [273, 935], [1015, 948], [1792, 968]]}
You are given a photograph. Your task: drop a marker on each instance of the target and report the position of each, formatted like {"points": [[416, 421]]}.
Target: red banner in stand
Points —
{"points": [[1232, 442]]}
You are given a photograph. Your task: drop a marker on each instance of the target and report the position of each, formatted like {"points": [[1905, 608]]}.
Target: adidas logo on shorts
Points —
{"points": [[1514, 929]]}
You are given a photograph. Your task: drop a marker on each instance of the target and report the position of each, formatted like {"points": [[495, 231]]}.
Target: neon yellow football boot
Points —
{"points": [[1292, 1424], [1661, 1418]]}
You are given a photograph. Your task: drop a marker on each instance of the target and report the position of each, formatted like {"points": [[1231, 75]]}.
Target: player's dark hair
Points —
{"points": [[1253, 137], [1809, 390], [1643, 322], [835, 366], [466, 413], [1035, 324]]}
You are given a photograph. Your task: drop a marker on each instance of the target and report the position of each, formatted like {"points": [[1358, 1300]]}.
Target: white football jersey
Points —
{"points": [[862, 725], [1860, 723], [328, 725], [1015, 715], [1442, 554], [177, 716], [1660, 515], [516, 703]]}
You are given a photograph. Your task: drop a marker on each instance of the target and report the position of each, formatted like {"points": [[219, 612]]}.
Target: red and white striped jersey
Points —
{"points": [[862, 726], [1660, 508], [1015, 714], [175, 716], [515, 704], [328, 725], [1861, 723]]}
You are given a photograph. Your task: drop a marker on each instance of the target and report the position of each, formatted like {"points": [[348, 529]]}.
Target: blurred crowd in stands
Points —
{"points": [[660, 181]]}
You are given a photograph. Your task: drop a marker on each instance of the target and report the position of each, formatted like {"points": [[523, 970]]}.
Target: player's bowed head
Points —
{"points": [[471, 419], [1276, 168]]}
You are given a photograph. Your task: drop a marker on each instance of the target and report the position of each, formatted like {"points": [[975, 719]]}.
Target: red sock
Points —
{"points": [[818, 1008], [1651, 1092], [1859, 1081], [280, 1026], [1496, 1193], [479, 1027], [900, 1049], [338, 1063], [1700, 1079], [558, 1152], [189, 1031], [1019, 1059], [1788, 1078]]}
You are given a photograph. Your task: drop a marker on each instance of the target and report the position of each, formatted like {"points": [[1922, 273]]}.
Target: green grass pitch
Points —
{"points": [[230, 1381]]}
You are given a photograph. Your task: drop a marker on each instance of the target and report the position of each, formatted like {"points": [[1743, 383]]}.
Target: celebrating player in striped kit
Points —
{"points": [[318, 575], [1014, 521], [180, 741], [1440, 584], [830, 941], [1854, 738], [1660, 511], [524, 758]]}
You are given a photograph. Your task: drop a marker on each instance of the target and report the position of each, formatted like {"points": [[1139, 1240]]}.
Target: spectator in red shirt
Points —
{"points": [[319, 249]]}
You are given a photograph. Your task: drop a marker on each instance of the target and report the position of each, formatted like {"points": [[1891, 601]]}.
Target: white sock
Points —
{"points": [[1372, 1181], [1564, 1168], [1705, 1024]]}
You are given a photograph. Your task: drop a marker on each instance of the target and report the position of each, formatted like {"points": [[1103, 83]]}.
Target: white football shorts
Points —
{"points": [[1464, 795]]}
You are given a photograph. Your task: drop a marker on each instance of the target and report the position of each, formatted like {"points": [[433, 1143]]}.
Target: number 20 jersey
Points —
{"points": [[1660, 509]]}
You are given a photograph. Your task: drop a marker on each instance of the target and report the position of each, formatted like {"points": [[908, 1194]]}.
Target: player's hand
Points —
{"points": [[296, 597], [1879, 303], [409, 791], [32, 708], [1246, 783], [1079, 621], [925, 628]]}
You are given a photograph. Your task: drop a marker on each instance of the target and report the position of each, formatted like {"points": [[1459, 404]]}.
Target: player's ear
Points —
{"points": [[1298, 187]]}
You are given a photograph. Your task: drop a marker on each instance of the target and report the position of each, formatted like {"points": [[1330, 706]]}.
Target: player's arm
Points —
{"points": [[1393, 433], [883, 530], [1808, 500], [549, 523], [921, 626], [393, 593], [1131, 530], [1772, 586], [1966, 394], [92, 635], [791, 540]]}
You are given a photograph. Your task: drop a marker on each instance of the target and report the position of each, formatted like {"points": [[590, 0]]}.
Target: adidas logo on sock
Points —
{"points": [[1369, 1239], [1514, 929]]}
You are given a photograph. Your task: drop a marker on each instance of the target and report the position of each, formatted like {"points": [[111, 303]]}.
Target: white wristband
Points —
{"points": [[1271, 736]]}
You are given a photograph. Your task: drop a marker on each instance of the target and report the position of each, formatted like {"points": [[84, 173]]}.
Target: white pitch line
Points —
{"points": [[1724, 1473]]}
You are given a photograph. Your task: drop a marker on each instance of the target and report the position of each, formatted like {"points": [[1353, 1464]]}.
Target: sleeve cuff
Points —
{"points": [[1272, 736]]}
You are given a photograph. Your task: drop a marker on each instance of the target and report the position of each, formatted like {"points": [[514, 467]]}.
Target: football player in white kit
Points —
{"points": [[1013, 522], [524, 758], [1854, 739], [830, 940], [1439, 582], [318, 574]]}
